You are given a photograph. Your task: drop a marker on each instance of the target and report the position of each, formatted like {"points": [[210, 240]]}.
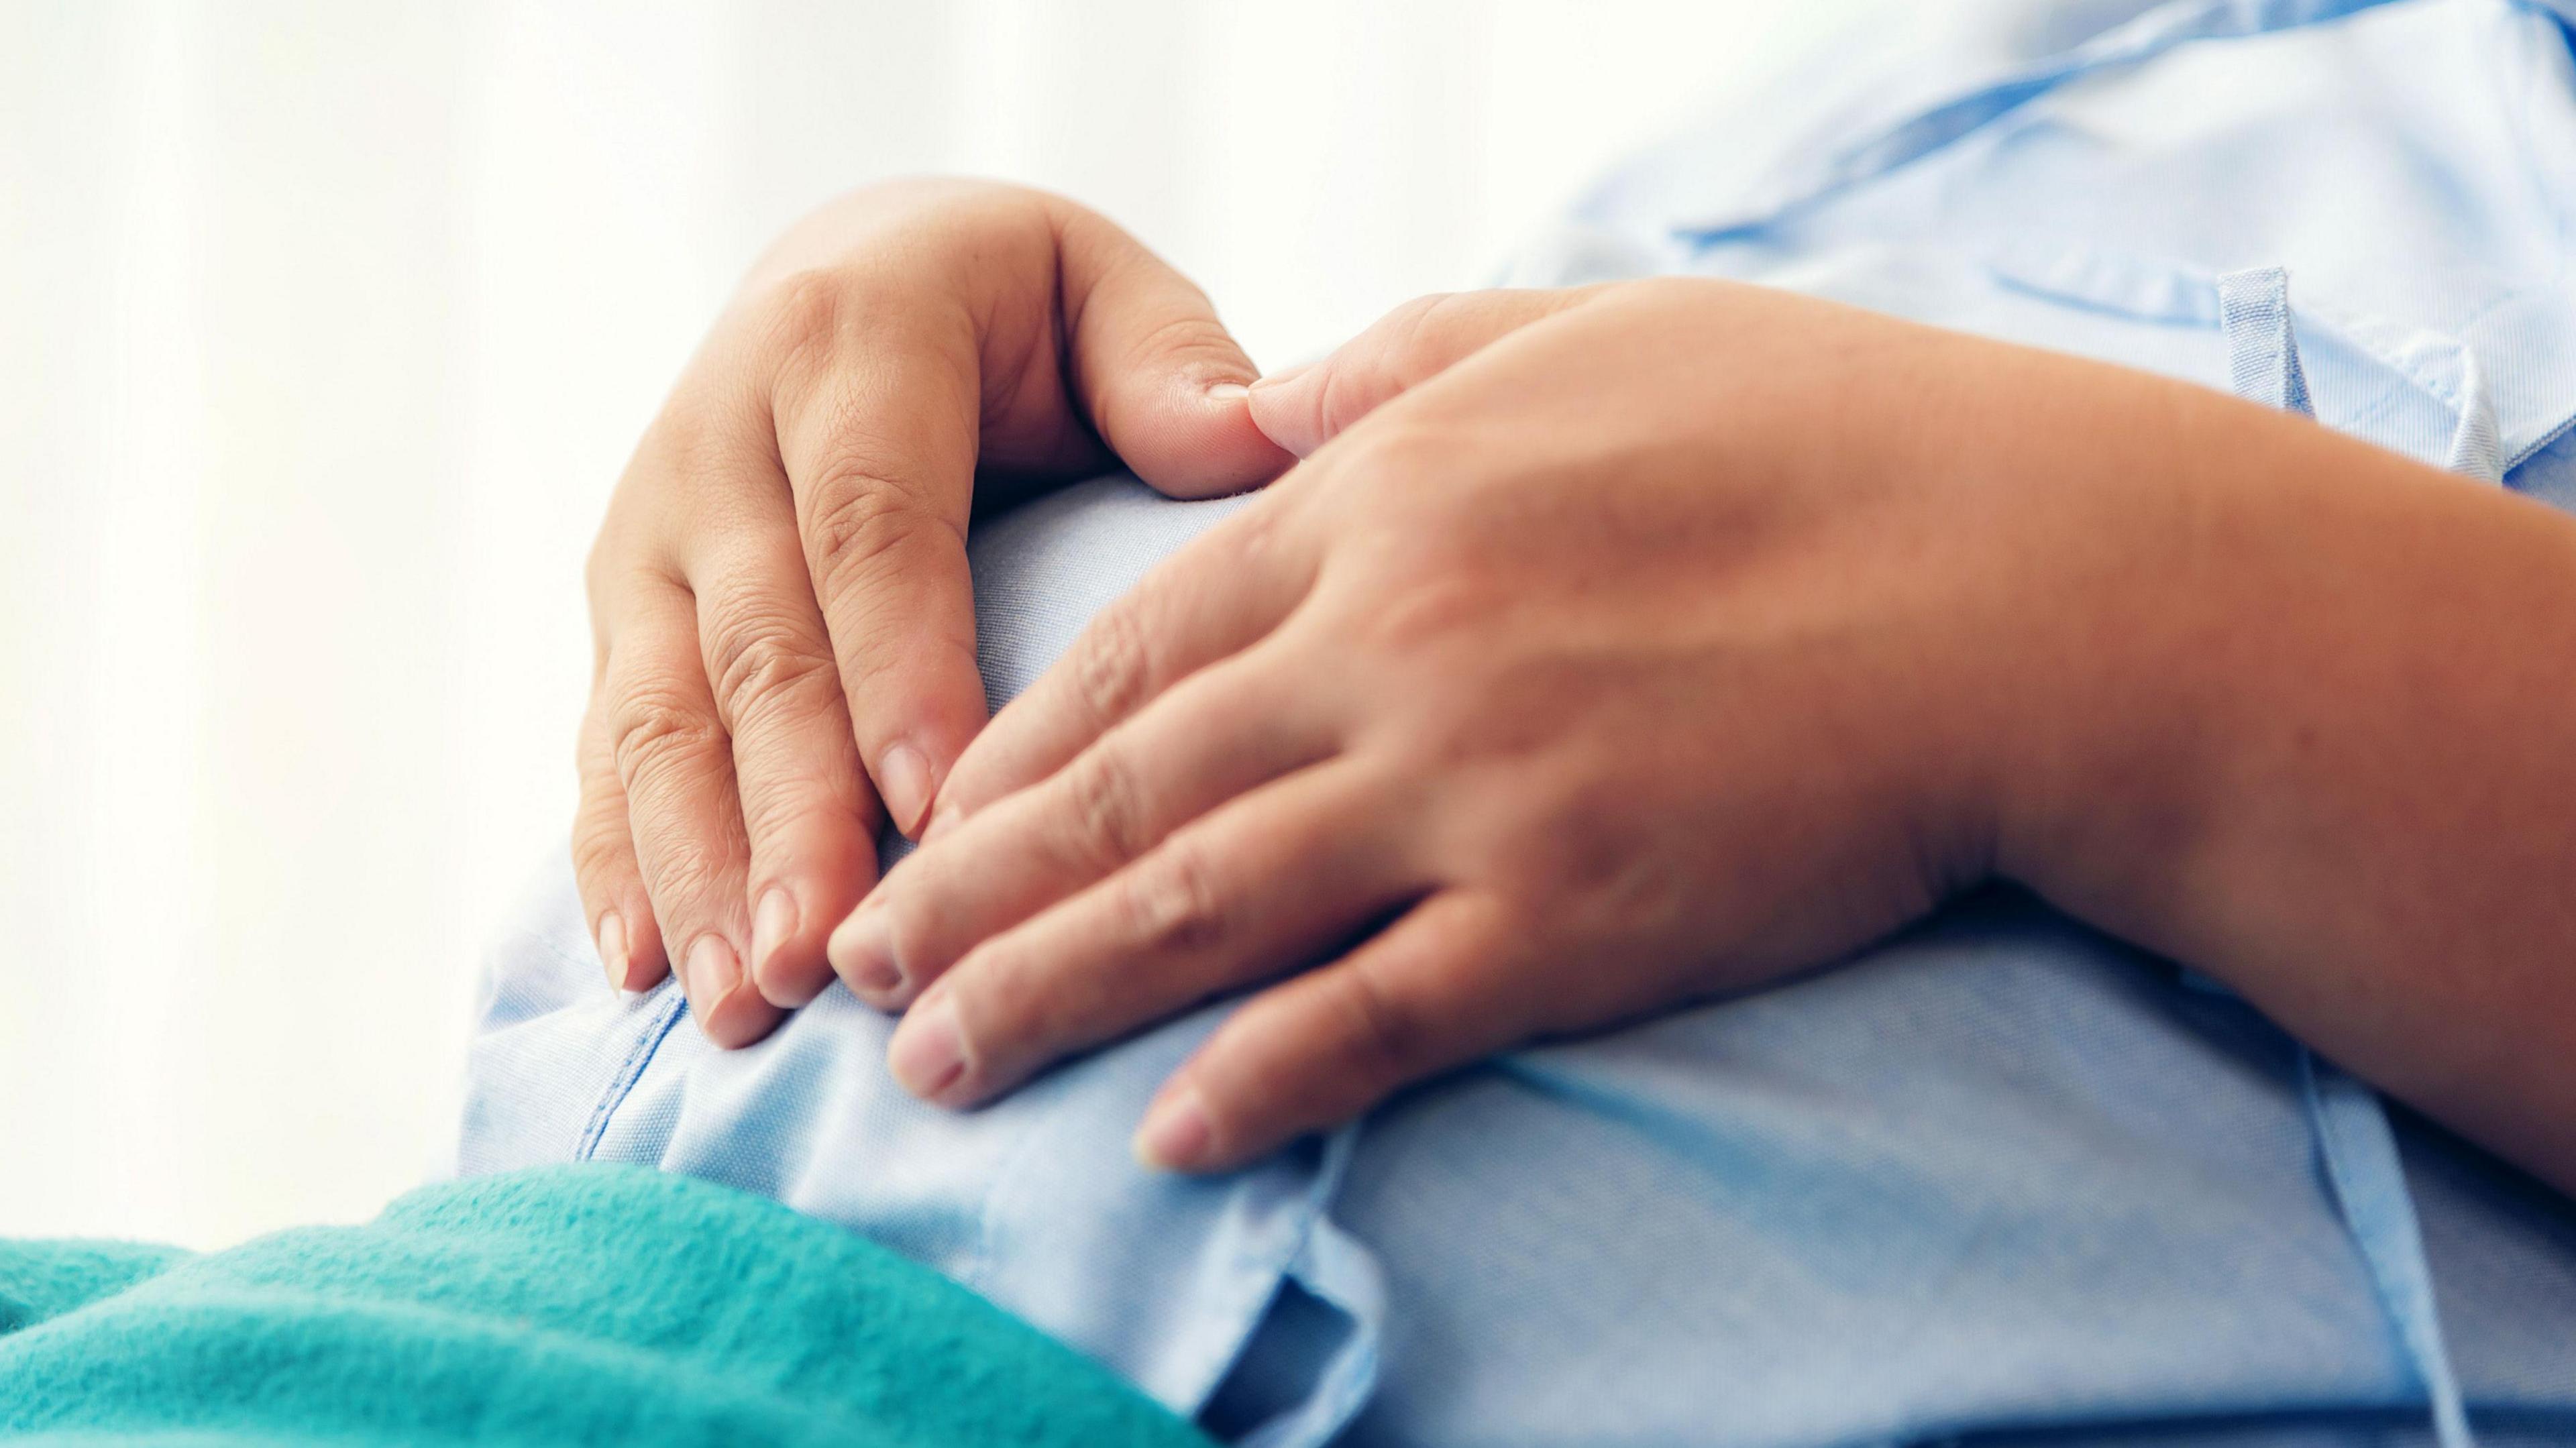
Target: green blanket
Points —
{"points": [[597, 1304]]}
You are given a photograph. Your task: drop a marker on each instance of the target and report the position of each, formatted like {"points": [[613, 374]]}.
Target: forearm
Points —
{"points": [[2351, 792]]}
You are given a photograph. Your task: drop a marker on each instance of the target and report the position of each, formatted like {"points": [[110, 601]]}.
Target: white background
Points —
{"points": [[324, 331]]}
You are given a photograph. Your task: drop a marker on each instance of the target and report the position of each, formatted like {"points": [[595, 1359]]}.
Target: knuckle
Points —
{"points": [[1431, 610], [653, 730], [1113, 668], [816, 322], [804, 313], [860, 520], [1393, 355], [1172, 904], [1411, 326], [1104, 816], [1257, 537], [688, 432], [1384, 1030], [1588, 848], [759, 670]]}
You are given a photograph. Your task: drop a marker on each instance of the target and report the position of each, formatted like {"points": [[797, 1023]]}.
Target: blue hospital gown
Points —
{"points": [[2000, 1176]]}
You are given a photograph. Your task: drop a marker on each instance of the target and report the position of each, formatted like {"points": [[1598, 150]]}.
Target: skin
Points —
{"points": [[1621, 648], [784, 627]]}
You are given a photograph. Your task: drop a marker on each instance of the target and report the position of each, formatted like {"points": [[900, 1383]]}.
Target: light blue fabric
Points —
{"points": [[2002, 1176]]}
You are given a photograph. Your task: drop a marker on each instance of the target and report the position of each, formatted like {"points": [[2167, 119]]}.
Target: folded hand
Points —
{"points": [[1612, 649], [783, 622]]}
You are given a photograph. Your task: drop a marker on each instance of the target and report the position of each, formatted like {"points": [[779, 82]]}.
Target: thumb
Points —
{"points": [[1163, 380], [1305, 407]]}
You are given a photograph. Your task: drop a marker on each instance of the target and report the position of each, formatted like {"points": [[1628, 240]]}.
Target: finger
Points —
{"points": [[876, 424], [1305, 407], [675, 763], [1163, 381], [1433, 990], [1259, 885], [1229, 730], [613, 898], [1220, 594], [808, 814], [882, 411]]}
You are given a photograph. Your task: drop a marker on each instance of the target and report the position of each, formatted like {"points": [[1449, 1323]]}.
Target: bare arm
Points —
{"points": [[2340, 774]]}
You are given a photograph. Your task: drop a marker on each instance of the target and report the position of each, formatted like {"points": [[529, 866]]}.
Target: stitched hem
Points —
{"points": [[629, 1071]]}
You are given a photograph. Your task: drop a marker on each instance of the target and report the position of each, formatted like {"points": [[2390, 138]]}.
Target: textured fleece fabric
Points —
{"points": [[568, 1305]]}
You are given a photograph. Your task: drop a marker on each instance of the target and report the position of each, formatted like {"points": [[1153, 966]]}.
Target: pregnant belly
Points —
{"points": [[2001, 1173]]}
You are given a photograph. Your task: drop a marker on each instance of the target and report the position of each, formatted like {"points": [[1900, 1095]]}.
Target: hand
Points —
{"points": [[1680, 636], [1614, 649], [784, 627]]}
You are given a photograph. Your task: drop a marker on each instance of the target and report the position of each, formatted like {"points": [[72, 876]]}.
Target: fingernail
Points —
{"points": [[712, 971], [771, 926], [1174, 1135], [612, 947], [925, 1055], [1227, 391], [903, 782], [862, 950]]}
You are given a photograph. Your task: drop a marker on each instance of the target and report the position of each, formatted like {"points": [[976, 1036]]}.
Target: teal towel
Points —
{"points": [[592, 1304]]}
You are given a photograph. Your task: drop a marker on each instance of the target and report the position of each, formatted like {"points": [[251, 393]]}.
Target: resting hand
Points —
{"points": [[1671, 642], [783, 621], [1690, 634]]}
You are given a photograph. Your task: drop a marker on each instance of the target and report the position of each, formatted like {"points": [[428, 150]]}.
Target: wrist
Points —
{"points": [[2174, 623], [2289, 694]]}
